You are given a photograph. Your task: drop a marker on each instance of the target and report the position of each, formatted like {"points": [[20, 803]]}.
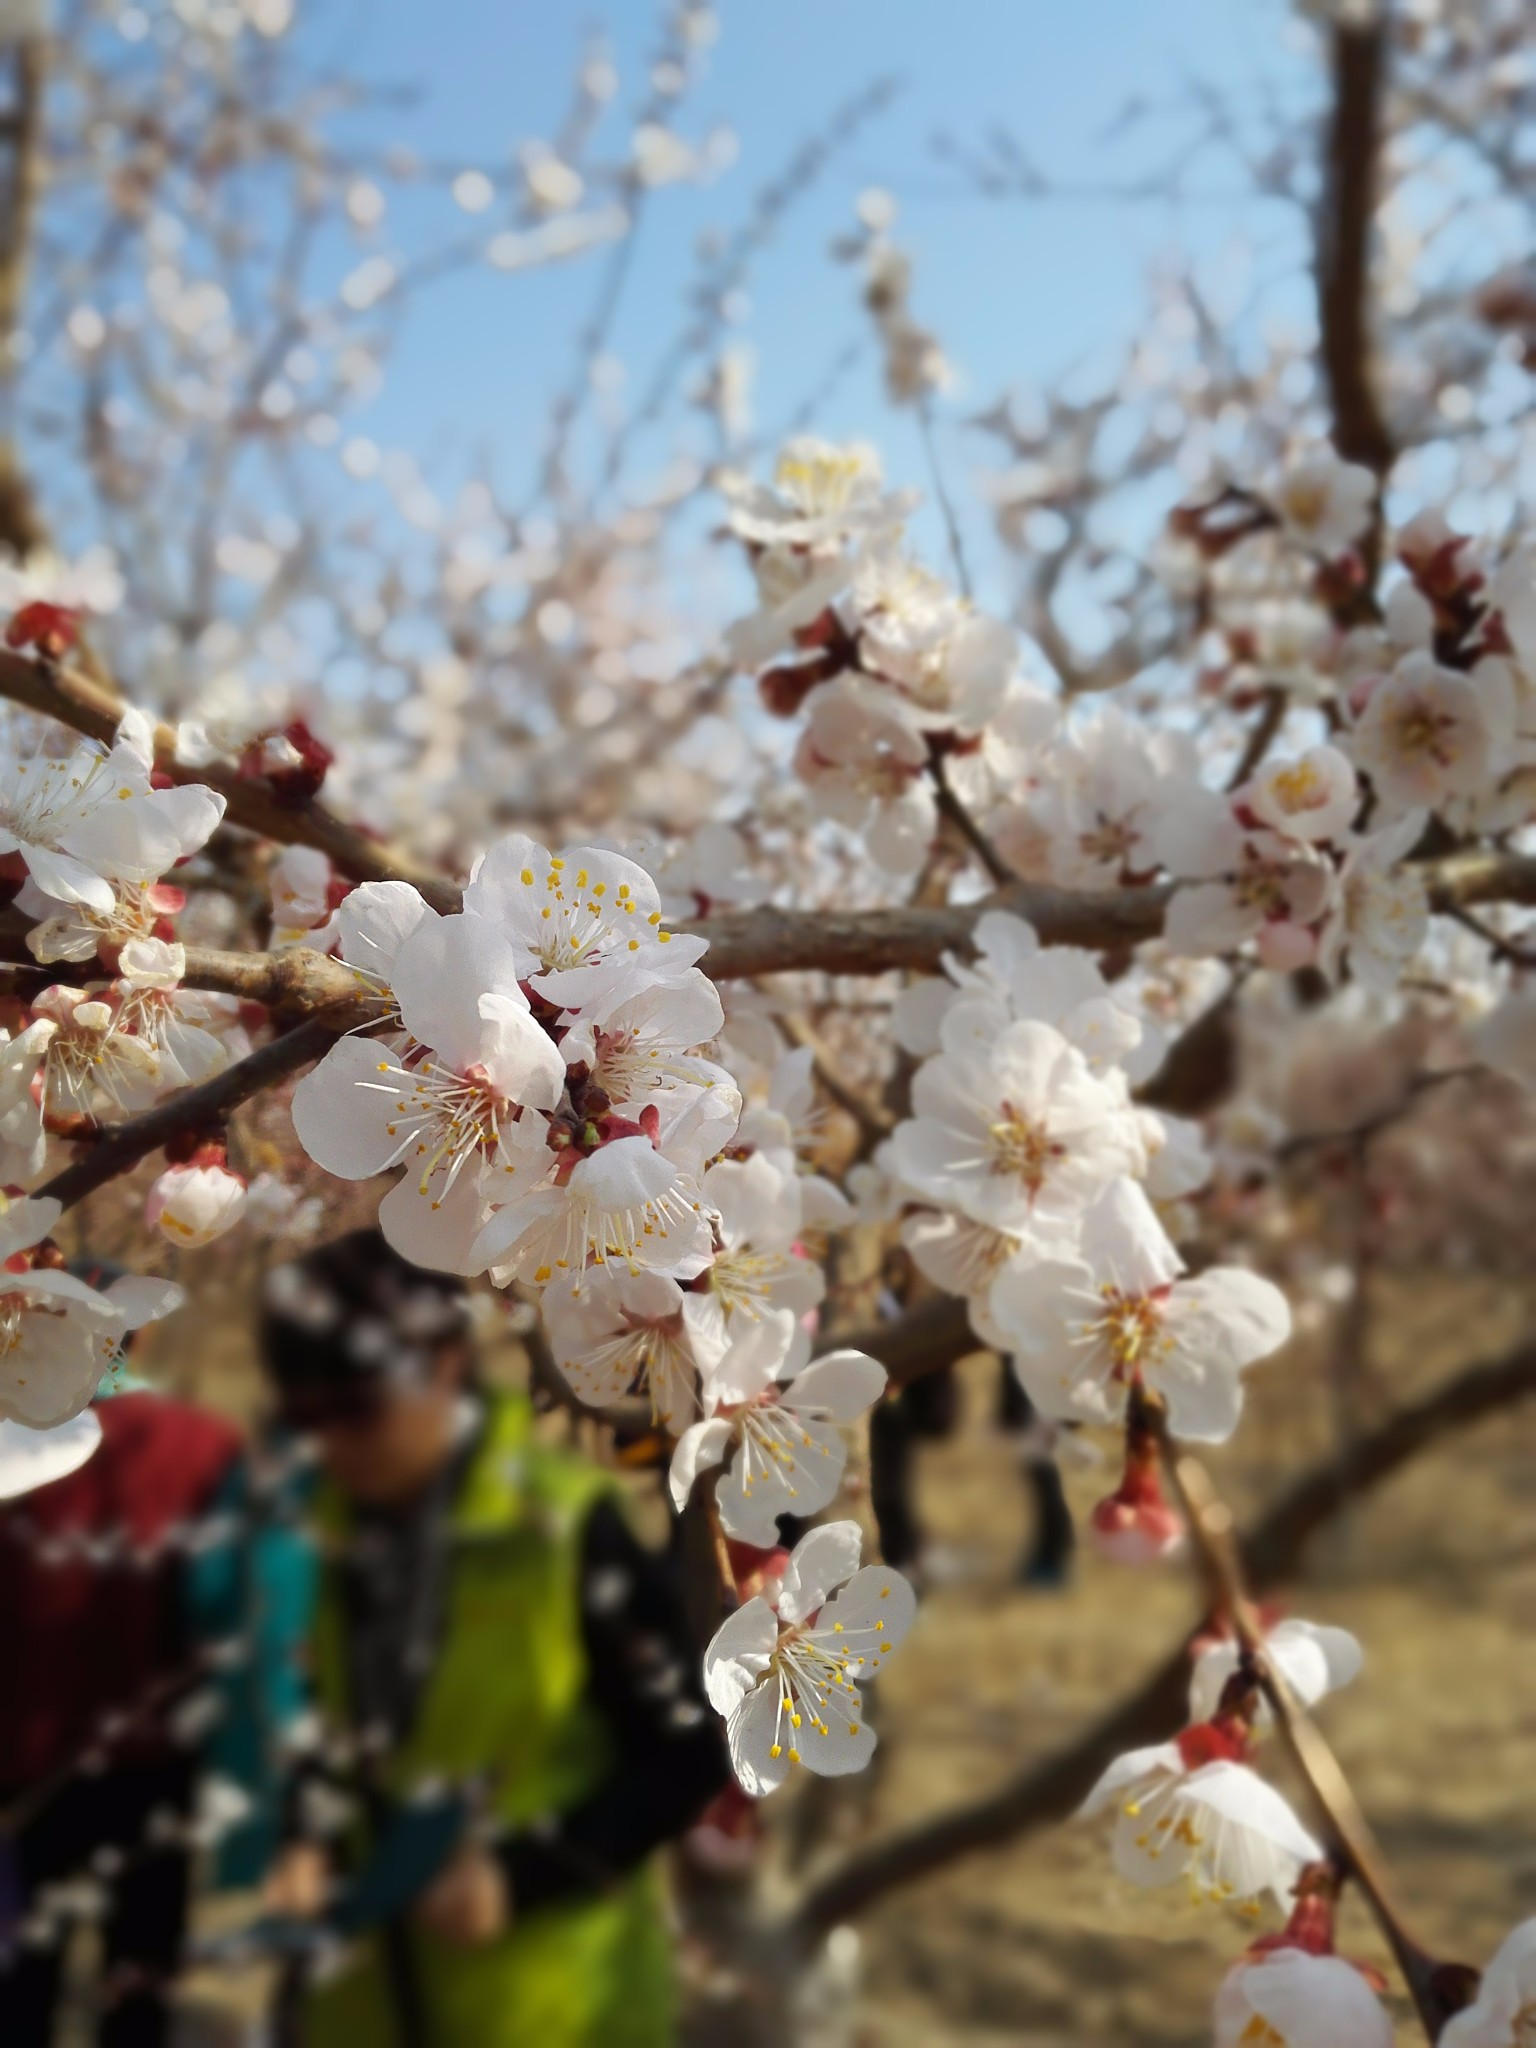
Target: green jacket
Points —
{"points": [[509, 1700]]}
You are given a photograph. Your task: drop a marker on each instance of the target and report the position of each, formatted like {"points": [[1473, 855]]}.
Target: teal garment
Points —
{"points": [[256, 1588]]}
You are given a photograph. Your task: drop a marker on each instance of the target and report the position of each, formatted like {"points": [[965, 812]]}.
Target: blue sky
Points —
{"points": [[1020, 292]]}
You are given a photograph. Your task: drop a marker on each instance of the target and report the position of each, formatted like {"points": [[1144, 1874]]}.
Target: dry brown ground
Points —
{"points": [[1041, 1945]]}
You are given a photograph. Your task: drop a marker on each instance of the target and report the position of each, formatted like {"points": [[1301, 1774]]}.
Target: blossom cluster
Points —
{"points": [[543, 1080]]}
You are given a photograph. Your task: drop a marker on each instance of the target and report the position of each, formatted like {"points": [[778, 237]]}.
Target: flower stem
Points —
{"points": [[1437, 1990]]}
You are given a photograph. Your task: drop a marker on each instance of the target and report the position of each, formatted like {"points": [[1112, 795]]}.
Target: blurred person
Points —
{"points": [[928, 1410], [485, 1619], [99, 1761]]}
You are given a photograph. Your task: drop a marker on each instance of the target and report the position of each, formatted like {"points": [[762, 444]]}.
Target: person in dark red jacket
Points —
{"points": [[97, 1746]]}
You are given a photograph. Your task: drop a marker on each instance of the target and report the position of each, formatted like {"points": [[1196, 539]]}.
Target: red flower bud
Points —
{"points": [[51, 628]]}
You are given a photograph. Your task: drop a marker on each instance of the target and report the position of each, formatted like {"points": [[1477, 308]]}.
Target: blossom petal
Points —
{"points": [[873, 1612], [375, 921], [31, 1458], [821, 1560], [699, 1447], [839, 1386], [438, 1229], [344, 1108], [441, 972], [752, 1732], [738, 1653], [1323, 1999]]}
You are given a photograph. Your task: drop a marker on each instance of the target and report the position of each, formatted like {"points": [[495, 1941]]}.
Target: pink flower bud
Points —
{"points": [[1136, 1524]]}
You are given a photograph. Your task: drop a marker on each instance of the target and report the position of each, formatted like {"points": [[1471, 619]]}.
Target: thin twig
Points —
{"points": [[1051, 1789], [1350, 1840], [1358, 1135], [119, 1150], [873, 1119], [1276, 703], [941, 494], [951, 807]]}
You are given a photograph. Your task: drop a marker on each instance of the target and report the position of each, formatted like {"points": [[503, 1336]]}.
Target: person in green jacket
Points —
{"points": [[486, 1626]]}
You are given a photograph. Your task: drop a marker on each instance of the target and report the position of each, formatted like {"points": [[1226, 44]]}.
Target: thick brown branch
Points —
{"points": [[925, 1340], [1053, 1789], [771, 941], [748, 942], [1345, 228], [295, 979]]}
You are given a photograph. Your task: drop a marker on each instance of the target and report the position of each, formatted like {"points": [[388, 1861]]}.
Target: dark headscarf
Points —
{"points": [[346, 1322]]}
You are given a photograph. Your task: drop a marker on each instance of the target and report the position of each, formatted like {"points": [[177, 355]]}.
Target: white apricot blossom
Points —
{"points": [[758, 1220], [447, 1106], [1313, 797], [90, 819], [583, 925], [1218, 1825], [626, 1332], [1313, 1661], [191, 1205], [1114, 781], [1379, 917], [821, 494], [57, 1335], [1289, 1998], [299, 882], [949, 666], [1503, 2013], [865, 767], [1261, 885], [774, 1416], [94, 1063], [1324, 503], [786, 1680], [1423, 734], [1023, 1139], [578, 1193], [181, 1026], [1089, 1320]]}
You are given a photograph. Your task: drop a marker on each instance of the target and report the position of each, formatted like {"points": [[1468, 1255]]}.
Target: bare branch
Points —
{"points": [[20, 527], [925, 1340], [1345, 226]]}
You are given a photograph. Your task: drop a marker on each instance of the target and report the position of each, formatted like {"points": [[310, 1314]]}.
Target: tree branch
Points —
{"points": [[1053, 1789], [87, 707], [924, 1340], [119, 1150], [20, 528], [1345, 226], [746, 942]]}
